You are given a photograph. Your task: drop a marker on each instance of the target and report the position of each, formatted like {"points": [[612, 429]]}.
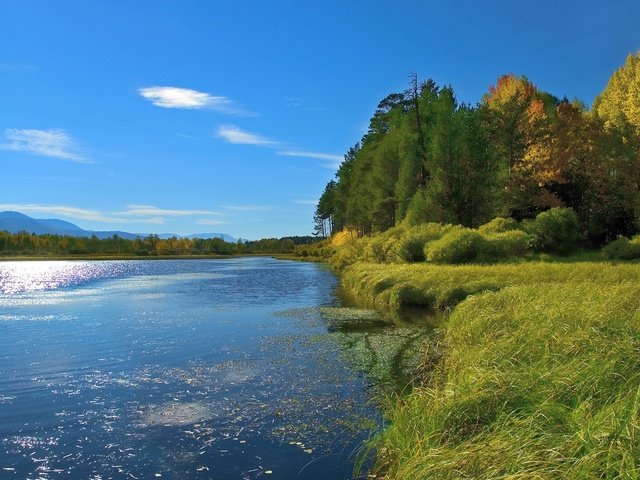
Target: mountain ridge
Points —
{"points": [[15, 222]]}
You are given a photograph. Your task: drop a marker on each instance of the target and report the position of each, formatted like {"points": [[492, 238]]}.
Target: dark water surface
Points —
{"points": [[224, 369]]}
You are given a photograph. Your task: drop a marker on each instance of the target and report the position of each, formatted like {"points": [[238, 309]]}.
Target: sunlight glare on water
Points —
{"points": [[18, 277], [179, 369]]}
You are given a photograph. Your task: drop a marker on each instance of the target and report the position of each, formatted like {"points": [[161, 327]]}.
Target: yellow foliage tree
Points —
{"points": [[619, 103]]}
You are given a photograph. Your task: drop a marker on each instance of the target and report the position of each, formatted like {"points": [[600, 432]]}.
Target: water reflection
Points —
{"points": [[176, 369], [387, 350]]}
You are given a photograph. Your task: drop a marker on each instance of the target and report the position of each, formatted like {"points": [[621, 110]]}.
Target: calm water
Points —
{"points": [[219, 369]]}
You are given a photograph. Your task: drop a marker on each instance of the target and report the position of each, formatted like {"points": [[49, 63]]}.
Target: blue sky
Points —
{"points": [[231, 116]]}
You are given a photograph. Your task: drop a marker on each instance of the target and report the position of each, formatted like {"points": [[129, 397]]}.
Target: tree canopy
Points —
{"points": [[518, 152]]}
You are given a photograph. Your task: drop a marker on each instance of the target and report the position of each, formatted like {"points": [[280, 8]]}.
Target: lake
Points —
{"points": [[174, 369]]}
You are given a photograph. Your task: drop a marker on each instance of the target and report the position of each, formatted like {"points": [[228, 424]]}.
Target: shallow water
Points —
{"points": [[181, 369]]}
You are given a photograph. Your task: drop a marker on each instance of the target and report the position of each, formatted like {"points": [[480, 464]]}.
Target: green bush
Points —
{"points": [[410, 247], [622, 249], [498, 225], [346, 255], [460, 245], [381, 248], [373, 250], [505, 245], [557, 230]]}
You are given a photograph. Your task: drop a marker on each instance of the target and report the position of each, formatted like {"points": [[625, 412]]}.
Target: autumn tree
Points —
{"points": [[619, 103]]}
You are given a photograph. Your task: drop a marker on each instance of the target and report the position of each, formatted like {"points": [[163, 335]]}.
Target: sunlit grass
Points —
{"points": [[540, 376], [444, 286]]}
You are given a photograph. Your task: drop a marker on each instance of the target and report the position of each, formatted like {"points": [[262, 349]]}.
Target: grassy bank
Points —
{"points": [[444, 286], [540, 377]]}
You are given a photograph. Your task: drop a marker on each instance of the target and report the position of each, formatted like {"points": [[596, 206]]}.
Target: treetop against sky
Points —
{"points": [[232, 116]]}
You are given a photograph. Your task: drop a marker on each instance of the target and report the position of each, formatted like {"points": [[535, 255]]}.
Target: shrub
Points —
{"points": [[557, 230], [460, 245], [411, 246], [498, 225], [505, 245], [381, 248], [346, 255], [622, 249], [374, 249]]}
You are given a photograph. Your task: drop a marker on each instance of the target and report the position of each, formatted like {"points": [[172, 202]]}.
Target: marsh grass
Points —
{"points": [[442, 287], [536, 382]]}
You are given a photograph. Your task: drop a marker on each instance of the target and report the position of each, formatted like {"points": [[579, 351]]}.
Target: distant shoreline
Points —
{"points": [[13, 258]]}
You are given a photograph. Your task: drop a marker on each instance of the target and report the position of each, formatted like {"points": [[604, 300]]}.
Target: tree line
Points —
{"points": [[518, 152], [24, 243]]}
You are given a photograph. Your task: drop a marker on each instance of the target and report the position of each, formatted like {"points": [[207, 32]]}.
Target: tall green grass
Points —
{"points": [[538, 381], [444, 286]]}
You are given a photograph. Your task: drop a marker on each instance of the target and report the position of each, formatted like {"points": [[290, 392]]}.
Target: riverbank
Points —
{"points": [[536, 373]]}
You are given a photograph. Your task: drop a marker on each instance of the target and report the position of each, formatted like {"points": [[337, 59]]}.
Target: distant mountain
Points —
{"points": [[15, 222], [60, 224]]}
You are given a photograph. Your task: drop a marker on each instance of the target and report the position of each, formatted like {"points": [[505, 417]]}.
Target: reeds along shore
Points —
{"points": [[540, 376], [538, 381]]}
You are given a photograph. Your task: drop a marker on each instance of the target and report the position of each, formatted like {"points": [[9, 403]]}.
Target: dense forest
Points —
{"points": [[25, 243], [518, 152]]}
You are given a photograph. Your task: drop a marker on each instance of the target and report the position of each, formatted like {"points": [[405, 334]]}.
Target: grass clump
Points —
{"points": [[622, 249], [505, 245], [536, 382], [411, 246], [461, 245]]}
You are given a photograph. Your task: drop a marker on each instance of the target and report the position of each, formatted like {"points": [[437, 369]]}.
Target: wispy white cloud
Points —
{"points": [[149, 210], [63, 211], [49, 143], [331, 166], [210, 222], [302, 153], [233, 134], [247, 208], [334, 160], [16, 67], [152, 220], [134, 213], [306, 202], [293, 102], [175, 97]]}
